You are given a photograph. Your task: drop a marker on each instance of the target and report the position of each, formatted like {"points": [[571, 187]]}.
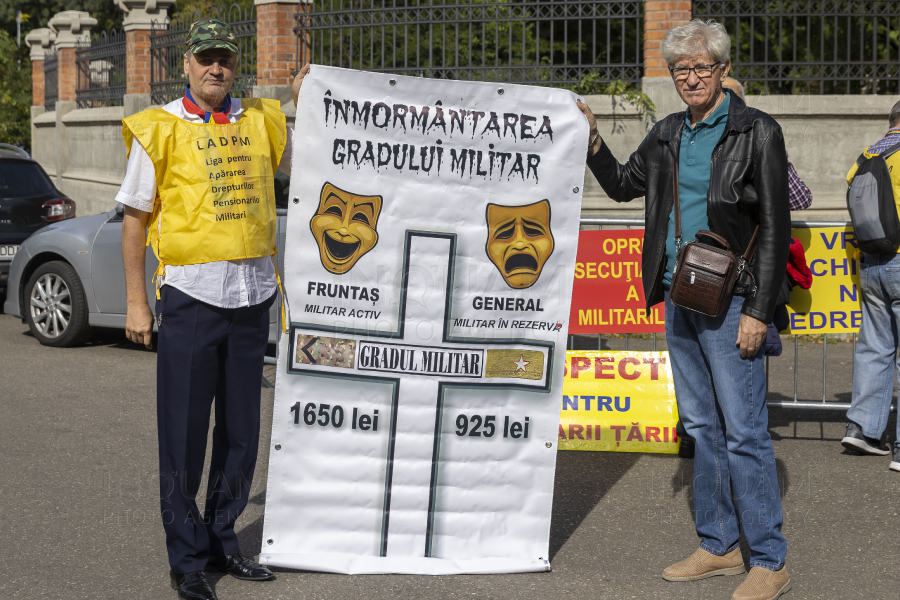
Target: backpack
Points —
{"points": [[870, 200]]}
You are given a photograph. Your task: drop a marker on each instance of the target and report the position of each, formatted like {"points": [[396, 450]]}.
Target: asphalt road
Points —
{"points": [[78, 515]]}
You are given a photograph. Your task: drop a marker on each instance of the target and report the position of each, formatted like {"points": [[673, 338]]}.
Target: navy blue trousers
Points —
{"points": [[206, 352]]}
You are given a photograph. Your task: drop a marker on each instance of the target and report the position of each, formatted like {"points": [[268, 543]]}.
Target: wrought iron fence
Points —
{"points": [[537, 42], [100, 64], [811, 46], [168, 43], [51, 79]]}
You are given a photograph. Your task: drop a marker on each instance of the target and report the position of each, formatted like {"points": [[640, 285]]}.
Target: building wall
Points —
{"points": [[83, 151], [824, 136]]}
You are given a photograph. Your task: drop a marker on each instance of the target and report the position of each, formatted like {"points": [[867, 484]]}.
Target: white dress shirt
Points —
{"points": [[227, 283]]}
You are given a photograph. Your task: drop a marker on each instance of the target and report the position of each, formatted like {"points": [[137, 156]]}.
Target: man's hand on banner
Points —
{"points": [[751, 335], [298, 81], [594, 140]]}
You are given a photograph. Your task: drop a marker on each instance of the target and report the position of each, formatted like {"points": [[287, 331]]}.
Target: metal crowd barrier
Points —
{"points": [[624, 223]]}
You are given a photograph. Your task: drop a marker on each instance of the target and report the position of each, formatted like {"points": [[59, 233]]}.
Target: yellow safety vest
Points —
{"points": [[215, 183], [892, 162]]}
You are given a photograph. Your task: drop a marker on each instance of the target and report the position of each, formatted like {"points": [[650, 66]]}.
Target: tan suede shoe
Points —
{"points": [[763, 584], [701, 564]]}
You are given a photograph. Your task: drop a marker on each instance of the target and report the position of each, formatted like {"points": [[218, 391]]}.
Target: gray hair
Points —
{"points": [[697, 38], [895, 115]]}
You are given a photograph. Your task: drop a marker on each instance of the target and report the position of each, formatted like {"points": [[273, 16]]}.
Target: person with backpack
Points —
{"points": [[872, 201]]}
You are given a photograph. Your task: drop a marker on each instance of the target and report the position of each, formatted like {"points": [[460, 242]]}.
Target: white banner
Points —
{"points": [[430, 253]]}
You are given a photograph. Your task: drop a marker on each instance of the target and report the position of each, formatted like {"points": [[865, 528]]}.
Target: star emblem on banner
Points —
{"points": [[521, 364]]}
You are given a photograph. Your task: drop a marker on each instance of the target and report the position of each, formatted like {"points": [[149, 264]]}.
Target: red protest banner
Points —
{"points": [[608, 296]]}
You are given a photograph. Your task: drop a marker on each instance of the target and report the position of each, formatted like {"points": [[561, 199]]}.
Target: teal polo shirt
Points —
{"points": [[694, 163]]}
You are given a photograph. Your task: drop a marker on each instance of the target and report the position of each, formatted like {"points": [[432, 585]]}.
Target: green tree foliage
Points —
{"points": [[15, 93], [15, 83], [37, 13], [591, 84], [203, 7]]}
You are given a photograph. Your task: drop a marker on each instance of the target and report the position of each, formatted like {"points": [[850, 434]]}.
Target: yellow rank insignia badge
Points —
{"points": [[519, 364]]}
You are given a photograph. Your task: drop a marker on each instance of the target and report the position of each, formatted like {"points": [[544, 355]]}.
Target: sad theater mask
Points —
{"points": [[344, 227], [519, 241]]}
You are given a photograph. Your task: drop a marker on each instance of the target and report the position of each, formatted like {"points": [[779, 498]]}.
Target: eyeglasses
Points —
{"points": [[702, 71]]}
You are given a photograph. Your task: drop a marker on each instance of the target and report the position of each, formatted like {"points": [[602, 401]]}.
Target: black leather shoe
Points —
{"points": [[192, 586], [240, 568]]}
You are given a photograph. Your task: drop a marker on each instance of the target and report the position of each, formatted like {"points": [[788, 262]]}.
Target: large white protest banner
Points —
{"points": [[429, 261]]}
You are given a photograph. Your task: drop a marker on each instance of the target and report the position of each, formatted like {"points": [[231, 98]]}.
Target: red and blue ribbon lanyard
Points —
{"points": [[218, 117]]}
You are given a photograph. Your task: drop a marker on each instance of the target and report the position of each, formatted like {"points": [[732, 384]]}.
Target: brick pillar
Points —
{"points": [[137, 61], [37, 82], [40, 41], [659, 17], [72, 27], [68, 75], [276, 43], [137, 23]]}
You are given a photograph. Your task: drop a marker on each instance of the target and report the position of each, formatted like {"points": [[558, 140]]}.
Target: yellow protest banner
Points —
{"points": [[618, 401], [831, 305]]}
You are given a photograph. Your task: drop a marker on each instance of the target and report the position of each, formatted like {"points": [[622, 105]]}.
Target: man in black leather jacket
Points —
{"points": [[748, 186], [732, 176]]}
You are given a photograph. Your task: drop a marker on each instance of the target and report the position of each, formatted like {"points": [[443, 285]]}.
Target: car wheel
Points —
{"points": [[57, 311]]}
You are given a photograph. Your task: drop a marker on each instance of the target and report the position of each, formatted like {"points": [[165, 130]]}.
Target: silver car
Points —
{"points": [[69, 277]]}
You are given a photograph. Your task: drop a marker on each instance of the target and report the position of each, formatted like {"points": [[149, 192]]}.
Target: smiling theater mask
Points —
{"points": [[519, 241], [344, 227]]}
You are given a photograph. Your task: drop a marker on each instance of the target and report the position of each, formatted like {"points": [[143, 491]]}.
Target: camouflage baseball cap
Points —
{"points": [[211, 33]]}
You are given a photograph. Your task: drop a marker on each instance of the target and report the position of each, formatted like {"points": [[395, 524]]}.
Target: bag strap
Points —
{"points": [[884, 155], [677, 208], [716, 237], [751, 247]]}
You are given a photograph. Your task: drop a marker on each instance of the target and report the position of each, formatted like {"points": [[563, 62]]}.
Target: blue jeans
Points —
{"points": [[875, 362], [722, 405]]}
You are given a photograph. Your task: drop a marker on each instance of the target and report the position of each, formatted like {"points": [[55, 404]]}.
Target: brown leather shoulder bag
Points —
{"points": [[704, 276]]}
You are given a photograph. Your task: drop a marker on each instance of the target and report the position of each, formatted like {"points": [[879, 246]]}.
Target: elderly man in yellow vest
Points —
{"points": [[201, 174]]}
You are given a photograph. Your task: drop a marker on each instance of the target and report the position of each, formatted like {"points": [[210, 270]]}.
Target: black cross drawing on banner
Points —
{"points": [[408, 514]]}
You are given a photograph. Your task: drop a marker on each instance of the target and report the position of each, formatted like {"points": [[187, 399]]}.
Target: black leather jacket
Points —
{"points": [[748, 185]]}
